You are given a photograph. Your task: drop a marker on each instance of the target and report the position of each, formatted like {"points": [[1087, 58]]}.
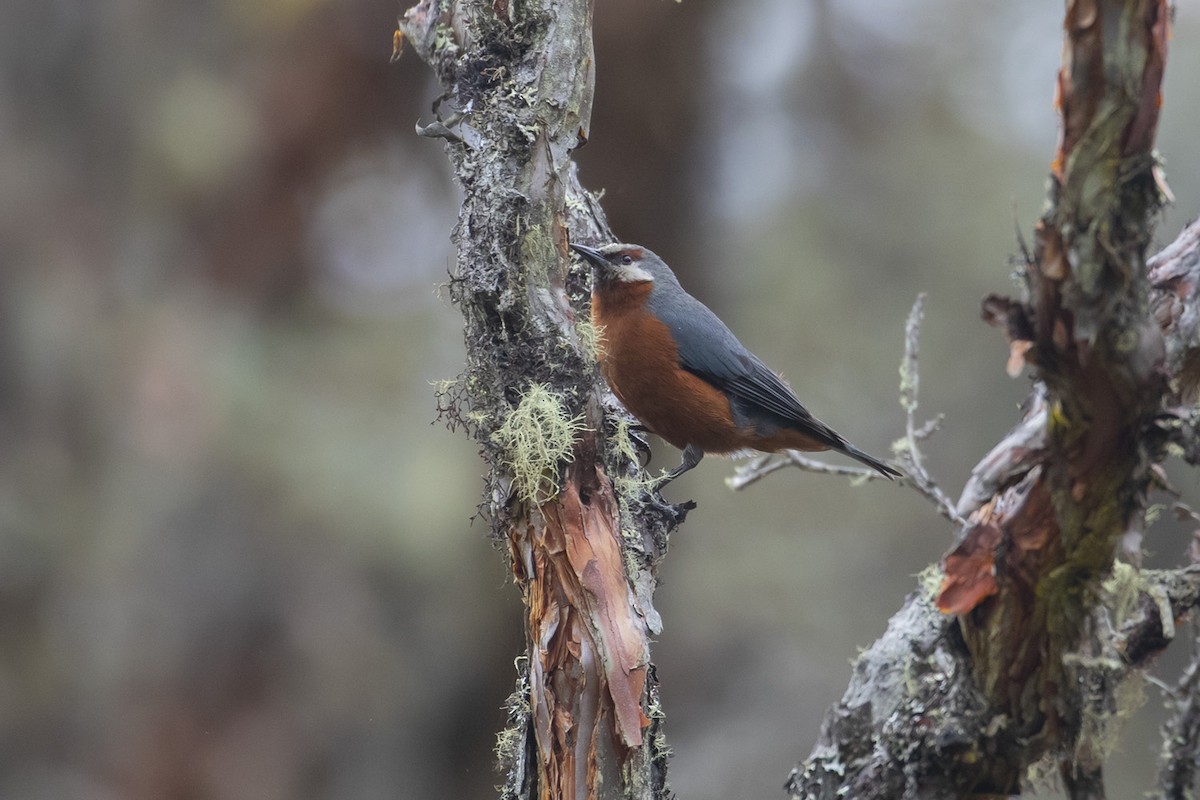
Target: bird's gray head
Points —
{"points": [[625, 263]]}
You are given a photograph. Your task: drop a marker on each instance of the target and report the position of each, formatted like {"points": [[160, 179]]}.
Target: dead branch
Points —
{"points": [[908, 449]]}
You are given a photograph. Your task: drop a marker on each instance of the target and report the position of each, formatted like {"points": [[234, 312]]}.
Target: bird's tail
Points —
{"points": [[870, 460]]}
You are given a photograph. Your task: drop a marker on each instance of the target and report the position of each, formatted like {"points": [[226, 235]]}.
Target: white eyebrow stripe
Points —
{"points": [[631, 274]]}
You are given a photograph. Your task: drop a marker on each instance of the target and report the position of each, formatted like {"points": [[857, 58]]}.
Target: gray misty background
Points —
{"points": [[236, 556]]}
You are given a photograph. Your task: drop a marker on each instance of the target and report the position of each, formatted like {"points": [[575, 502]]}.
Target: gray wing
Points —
{"points": [[709, 350]]}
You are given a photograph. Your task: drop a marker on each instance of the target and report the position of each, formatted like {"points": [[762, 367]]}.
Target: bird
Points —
{"points": [[684, 375]]}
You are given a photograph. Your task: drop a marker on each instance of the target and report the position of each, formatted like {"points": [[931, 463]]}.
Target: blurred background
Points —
{"points": [[237, 557]]}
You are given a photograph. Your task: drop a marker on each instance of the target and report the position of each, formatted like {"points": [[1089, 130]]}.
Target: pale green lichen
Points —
{"points": [[1123, 588], [623, 443], [444, 41], [477, 418], [536, 437], [1042, 775], [591, 338], [631, 558], [510, 741], [908, 386], [1105, 706], [537, 249], [444, 387], [930, 580], [575, 203], [508, 744], [658, 739]]}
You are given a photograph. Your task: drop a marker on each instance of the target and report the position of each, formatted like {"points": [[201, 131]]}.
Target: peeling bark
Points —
{"points": [[1048, 632], [1046, 639], [584, 720], [914, 722], [1099, 354]]}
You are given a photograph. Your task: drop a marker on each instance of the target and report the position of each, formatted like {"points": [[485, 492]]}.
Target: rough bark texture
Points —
{"points": [[1098, 352], [1048, 633], [585, 719], [1181, 741], [1035, 665]]}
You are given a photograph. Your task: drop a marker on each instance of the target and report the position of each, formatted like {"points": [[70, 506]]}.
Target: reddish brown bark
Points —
{"points": [[1027, 571], [585, 720]]}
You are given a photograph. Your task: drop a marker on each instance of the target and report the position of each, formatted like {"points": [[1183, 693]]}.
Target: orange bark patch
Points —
{"points": [[594, 552], [587, 666], [1017, 523], [969, 571]]}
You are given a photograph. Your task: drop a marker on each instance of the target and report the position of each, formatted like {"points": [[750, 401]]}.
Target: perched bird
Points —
{"points": [[685, 376]]}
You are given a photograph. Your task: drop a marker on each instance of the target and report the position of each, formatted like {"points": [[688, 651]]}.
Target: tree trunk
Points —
{"points": [[1021, 646], [1047, 630], [585, 720]]}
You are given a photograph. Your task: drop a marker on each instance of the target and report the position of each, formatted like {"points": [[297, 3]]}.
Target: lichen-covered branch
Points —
{"points": [[914, 723], [585, 720], [1097, 350], [1181, 739], [1047, 631]]}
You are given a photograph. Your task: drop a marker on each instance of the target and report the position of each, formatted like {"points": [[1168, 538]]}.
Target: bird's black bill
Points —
{"points": [[590, 254]]}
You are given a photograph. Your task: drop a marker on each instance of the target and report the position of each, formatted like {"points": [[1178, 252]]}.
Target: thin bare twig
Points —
{"points": [[907, 450], [763, 466], [910, 378]]}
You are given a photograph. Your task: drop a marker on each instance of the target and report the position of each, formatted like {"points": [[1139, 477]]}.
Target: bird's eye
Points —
{"points": [[627, 260]]}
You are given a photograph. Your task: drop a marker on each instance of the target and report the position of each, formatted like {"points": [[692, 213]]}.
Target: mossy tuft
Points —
{"points": [[536, 437], [591, 339]]}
